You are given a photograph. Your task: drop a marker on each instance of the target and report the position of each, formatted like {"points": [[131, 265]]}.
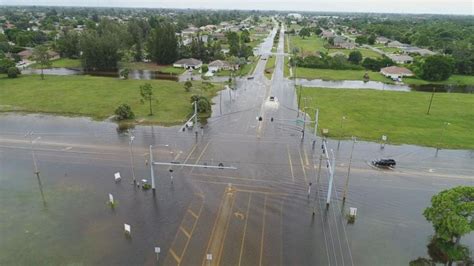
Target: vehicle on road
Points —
{"points": [[250, 78], [273, 99], [384, 163]]}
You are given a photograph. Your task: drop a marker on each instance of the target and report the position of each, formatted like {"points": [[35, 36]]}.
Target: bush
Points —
{"points": [[124, 73], [203, 103], [13, 72], [5, 64], [123, 112], [437, 68], [204, 68]]}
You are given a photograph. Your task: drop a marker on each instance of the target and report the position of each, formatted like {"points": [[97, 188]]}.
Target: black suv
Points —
{"points": [[384, 163]]}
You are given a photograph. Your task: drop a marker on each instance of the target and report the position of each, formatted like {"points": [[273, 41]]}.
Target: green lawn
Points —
{"points": [[399, 115], [270, 66], [307, 45], [96, 97], [453, 80], [63, 62], [364, 51], [330, 74]]}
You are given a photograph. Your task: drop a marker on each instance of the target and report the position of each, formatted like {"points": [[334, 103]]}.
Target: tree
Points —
{"points": [[203, 103], [68, 45], [436, 68], [371, 39], [234, 44], [146, 93], [124, 111], [163, 44], [452, 213], [355, 57], [188, 85], [41, 57], [304, 32], [100, 50], [5, 64], [361, 40], [245, 36], [13, 72]]}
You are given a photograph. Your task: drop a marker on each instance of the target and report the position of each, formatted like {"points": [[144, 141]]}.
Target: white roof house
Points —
{"points": [[188, 63], [395, 72], [218, 65], [400, 59]]}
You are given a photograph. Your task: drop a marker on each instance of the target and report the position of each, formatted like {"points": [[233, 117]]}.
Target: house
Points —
{"points": [[218, 36], [219, 65], [395, 72], [25, 54], [400, 59], [395, 44], [417, 50], [381, 40], [188, 63], [342, 42], [327, 34]]}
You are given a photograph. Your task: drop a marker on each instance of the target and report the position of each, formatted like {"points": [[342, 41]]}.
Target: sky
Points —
{"points": [[464, 7]]}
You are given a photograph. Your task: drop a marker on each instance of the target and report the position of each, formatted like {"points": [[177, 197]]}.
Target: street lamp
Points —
{"points": [[354, 140], [132, 137], [340, 132], [33, 155]]}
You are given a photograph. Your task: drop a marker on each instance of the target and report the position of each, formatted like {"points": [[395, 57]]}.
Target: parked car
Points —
{"points": [[251, 77], [384, 163]]}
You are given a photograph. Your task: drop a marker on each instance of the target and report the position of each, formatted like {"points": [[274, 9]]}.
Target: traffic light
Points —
{"points": [[271, 119], [260, 118]]}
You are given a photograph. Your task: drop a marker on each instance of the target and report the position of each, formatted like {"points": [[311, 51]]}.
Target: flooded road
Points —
{"points": [[258, 214]]}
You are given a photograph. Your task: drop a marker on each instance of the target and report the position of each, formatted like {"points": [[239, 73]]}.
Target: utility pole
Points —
{"points": [[340, 132], [152, 174], [349, 170], [220, 103], [304, 118], [431, 101], [33, 155], [132, 137], [446, 124]]}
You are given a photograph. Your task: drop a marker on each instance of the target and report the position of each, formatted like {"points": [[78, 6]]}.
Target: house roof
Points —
{"points": [[397, 57], [219, 63], [189, 62], [395, 70]]}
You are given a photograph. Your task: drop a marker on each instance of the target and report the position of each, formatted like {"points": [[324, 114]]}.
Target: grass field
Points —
{"points": [[286, 67], [364, 51], [307, 45], [63, 62], [399, 115], [270, 66], [453, 80], [95, 97], [330, 74]]}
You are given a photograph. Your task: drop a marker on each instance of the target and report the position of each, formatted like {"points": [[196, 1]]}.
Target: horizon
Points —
{"points": [[415, 7]]}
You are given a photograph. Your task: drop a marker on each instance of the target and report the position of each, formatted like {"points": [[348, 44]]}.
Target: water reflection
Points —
{"points": [[445, 252], [133, 74]]}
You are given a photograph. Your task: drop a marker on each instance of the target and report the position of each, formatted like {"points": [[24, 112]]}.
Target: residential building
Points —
{"points": [[382, 40], [327, 34], [342, 42], [400, 59], [396, 73], [219, 65], [188, 63]]}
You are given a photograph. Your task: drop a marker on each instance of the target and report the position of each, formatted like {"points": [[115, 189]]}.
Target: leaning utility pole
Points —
{"points": [[132, 137], [349, 170]]}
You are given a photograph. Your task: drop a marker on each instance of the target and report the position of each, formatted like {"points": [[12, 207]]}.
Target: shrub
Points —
{"points": [[13, 72], [123, 112]]}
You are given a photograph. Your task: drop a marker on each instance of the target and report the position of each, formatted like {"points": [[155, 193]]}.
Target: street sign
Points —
{"points": [[117, 176]]}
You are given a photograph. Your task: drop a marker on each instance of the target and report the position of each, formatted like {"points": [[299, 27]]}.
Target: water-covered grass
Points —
{"points": [[270, 66], [63, 62], [399, 115], [331, 74], [453, 80], [96, 97]]}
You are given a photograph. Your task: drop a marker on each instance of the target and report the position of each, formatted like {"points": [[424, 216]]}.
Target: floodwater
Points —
{"points": [[133, 74], [376, 85]]}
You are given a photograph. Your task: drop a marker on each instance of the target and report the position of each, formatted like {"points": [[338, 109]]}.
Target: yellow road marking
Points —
{"points": [[291, 165], [302, 167], [192, 213], [225, 232], [244, 178], [214, 226], [189, 154], [245, 229], [184, 231], [245, 190], [178, 260], [263, 229]]}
